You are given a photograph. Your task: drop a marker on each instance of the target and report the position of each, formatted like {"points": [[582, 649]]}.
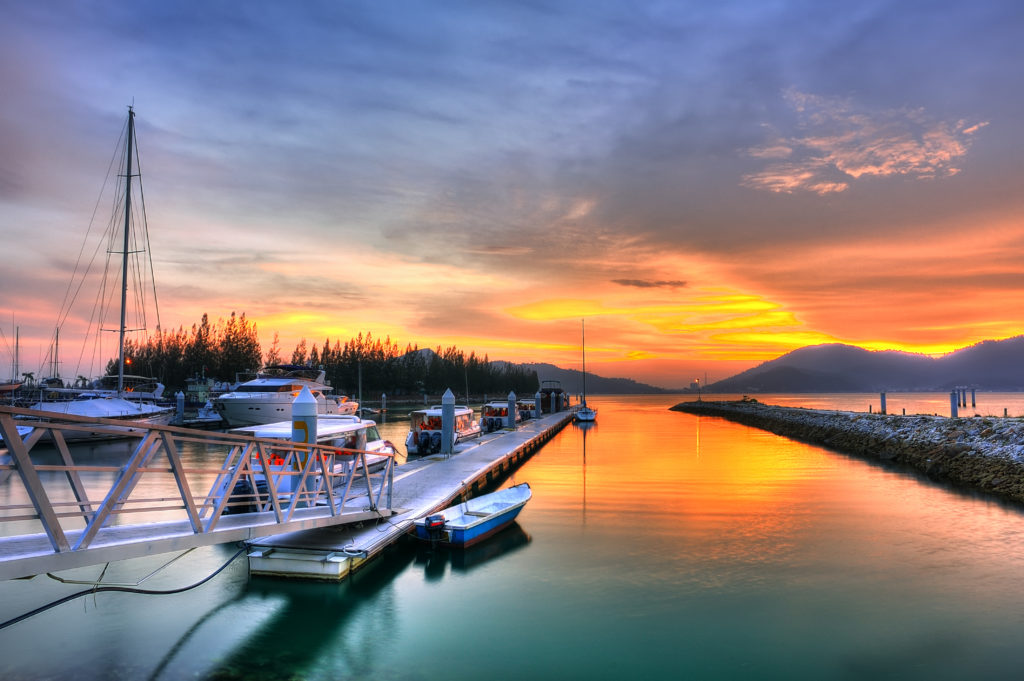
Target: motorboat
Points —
{"points": [[474, 520], [553, 397], [425, 429], [345, 431], [494, 416], [527, 409], [268, 397]]}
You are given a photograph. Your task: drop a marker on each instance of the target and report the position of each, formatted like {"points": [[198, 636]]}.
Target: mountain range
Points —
{"points": [[572, 382], [989, 365]]}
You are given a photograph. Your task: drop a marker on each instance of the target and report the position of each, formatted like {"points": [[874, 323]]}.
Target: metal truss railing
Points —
{"points": [[261, 487]]}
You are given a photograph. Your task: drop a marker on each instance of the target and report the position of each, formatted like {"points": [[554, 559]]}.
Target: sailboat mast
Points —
{"points": [[124, 255], [583, 333]]}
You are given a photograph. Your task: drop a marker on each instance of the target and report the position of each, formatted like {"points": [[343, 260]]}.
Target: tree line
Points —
{"points": [[228, 348]]}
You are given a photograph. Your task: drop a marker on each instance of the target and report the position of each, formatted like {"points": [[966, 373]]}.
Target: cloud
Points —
{"points": [[839, 142], [644, 283]]}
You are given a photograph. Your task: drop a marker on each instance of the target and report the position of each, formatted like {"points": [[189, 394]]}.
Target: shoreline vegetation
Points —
{"points": [[226, 349], [985, 454]]}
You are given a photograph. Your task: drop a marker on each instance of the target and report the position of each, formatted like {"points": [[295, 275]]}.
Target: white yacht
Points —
{"points": [[268, 397], [425, 429]]}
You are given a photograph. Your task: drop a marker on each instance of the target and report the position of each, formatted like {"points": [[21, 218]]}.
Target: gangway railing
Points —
{"points": [[57, 513]]}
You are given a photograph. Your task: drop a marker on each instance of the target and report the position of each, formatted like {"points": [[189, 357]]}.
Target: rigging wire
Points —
{"points": [[69, 296], [91, 351]]}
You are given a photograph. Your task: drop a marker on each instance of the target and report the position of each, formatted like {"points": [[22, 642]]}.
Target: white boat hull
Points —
{"points": [[262, 408], [586, 414], [135, 415]]}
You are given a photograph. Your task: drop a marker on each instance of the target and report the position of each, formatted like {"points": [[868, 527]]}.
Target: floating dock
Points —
{"points": [[421, 486]]}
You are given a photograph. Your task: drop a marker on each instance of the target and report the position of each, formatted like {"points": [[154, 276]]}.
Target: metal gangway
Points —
{"points": [[57, 513]]}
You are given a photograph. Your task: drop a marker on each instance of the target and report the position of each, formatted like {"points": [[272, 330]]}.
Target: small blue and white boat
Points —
{"points": [[474, 520]]}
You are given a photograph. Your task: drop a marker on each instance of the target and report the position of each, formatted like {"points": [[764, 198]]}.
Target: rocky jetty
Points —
{"points": [[983, 453]]}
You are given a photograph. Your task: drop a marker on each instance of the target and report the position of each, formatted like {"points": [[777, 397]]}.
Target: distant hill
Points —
{"points": [[990, 365], [572, 381]]}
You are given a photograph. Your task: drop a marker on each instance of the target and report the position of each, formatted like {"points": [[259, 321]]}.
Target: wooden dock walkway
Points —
{"points": [[421, 486]]}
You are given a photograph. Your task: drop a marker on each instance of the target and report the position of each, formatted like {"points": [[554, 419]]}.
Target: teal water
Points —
{"points": [[657, 545]]}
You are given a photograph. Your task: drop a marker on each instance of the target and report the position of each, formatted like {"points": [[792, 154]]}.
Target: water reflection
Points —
{"points": [[435, 560], [314, 621], [660, 545]]}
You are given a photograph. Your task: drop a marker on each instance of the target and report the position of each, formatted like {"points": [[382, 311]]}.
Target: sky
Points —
{"points": [[708, 185]]}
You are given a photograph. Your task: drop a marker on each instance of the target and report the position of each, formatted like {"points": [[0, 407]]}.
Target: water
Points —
{"points": [[657, 545]]}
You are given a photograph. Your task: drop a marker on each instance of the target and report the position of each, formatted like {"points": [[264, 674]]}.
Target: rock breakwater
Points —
{"points": [[983, 453]]}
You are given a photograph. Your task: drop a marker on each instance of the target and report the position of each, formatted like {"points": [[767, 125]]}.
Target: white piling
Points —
{"points": [[447, 421], [537, 403], [954, 398], [511, 410], [882, 410], [179, 400], [303, 422]]}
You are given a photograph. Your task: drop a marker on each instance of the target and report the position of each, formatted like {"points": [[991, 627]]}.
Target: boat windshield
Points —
{"points": [[263, 389], [428, 422]]}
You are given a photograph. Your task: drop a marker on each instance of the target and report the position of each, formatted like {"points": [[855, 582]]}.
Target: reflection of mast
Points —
{"points": [[585, 475]]}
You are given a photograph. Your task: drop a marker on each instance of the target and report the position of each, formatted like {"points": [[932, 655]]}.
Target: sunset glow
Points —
{"points": [[487, 178]]}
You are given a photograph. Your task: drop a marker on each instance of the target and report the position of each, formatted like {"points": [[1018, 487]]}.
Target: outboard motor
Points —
{"points": [[435, 527], [245, 499], [423, 443], [435, 441]]}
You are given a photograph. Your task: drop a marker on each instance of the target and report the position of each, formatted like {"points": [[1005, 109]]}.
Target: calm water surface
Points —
{"points": [[657, 545]]}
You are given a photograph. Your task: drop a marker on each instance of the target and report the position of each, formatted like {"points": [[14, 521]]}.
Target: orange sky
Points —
{"points": [[727, 188]]}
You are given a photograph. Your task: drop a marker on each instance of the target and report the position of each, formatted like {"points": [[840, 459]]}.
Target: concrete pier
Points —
{"points": [[421, 486]]}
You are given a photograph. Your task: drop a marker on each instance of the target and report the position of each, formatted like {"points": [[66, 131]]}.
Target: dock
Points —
{"points": [[421, 486]]}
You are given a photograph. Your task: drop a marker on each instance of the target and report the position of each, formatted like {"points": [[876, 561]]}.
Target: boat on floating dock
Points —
{"points": [[475, 519], [422, 486], [424, 436]]}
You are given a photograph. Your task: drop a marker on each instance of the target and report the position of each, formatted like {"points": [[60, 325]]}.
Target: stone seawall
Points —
{"points": [[986, 454]]}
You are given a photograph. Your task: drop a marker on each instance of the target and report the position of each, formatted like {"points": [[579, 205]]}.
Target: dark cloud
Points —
{"points": [[643, 283]]}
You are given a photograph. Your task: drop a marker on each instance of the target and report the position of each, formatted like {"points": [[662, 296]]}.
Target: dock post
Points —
{"points": [[303, 425], [954, 399], [447, 421], [538, 403], [972, 397], [882, 410], [179, 401], [512, 409]]}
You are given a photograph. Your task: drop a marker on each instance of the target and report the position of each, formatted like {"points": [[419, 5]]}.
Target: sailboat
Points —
{"points": [[584, 413], [115, 403]]}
